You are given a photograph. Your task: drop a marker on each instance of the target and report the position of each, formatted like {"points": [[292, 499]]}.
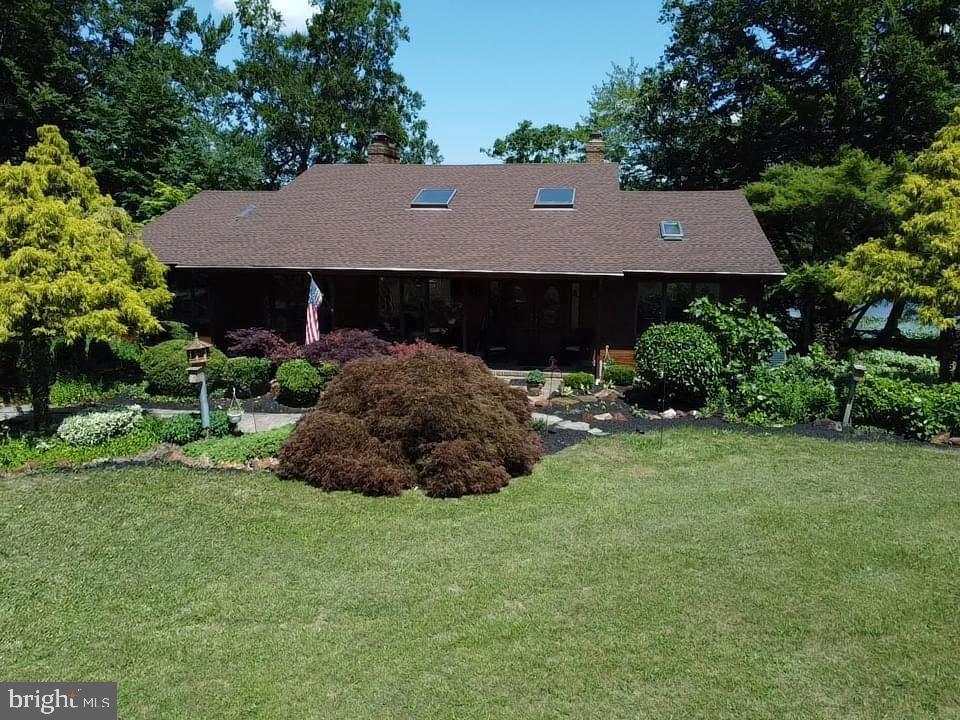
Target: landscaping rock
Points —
{"points": [[955, 441], [607, 395], [565, 402], [941, 439], [668, 414], [586, 398], [826, 424], [264, 463], [597, 432], [603, 417], [156, 454], [550, 420], [572, 425]]}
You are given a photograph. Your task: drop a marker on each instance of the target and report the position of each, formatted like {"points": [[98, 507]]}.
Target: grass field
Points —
{"points": [[722, 576]]}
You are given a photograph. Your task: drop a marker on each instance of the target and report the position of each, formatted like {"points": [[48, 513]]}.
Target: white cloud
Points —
{"points": [[295, 12]]}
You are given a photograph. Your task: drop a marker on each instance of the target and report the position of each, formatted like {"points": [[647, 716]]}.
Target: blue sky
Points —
{"points": [[482, 67]]}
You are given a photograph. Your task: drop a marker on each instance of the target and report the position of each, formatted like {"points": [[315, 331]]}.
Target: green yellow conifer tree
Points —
{"points": [[72, 264]]}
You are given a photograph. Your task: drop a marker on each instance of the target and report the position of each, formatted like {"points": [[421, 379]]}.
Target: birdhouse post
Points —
{"points": [[198, 355]]}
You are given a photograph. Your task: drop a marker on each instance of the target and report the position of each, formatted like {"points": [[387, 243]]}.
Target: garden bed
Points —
{"points": [[628, 419]]}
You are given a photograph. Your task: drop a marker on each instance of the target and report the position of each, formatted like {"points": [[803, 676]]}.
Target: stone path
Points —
{"points": [[559, 423]]}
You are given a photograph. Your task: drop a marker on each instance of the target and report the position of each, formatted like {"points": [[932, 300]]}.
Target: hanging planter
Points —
{"points": [[235, 410]]}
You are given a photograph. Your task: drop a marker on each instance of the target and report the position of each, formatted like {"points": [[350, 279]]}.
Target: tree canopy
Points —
{"points": [[920, 260], [136, 86], [72, 264], [546, 144], [746, 85], [317, 97]]}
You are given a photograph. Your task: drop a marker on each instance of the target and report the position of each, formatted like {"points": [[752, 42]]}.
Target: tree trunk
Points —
{"points": [[892, 327], [38, 366], [946, 353]]}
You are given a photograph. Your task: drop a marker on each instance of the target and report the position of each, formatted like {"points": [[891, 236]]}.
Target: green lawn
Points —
{"points": [[722, 576]]}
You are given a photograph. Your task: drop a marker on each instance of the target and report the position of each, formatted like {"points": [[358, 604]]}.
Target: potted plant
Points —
{"points": [[535, 380]]}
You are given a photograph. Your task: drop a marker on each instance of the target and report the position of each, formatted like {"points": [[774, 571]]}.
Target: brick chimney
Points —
{"points": [[596, 148], [382, 150]]}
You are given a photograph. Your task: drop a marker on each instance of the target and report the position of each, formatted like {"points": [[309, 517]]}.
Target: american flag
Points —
{"points": [[314, 299]]}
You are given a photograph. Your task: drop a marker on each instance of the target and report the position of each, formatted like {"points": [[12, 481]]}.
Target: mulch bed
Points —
{"points": [[555, 440]]}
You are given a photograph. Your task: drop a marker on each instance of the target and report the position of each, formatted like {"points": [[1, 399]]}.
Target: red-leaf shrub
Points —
{"points": [[404, 349], [343, 346], [336, 452], [260, 342], [436, 417]]}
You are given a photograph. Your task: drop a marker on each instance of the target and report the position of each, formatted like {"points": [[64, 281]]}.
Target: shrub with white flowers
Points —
{"points": [[93, 428]]}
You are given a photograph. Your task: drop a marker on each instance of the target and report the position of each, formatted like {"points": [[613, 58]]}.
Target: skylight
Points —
{"points": [[555, 198], [434, 198], [671, 230]]}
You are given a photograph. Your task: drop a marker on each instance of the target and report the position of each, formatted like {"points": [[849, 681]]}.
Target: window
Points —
{"points": [[412, 308], [555, 198], [671, 230], [659, 302], [434, 198]]}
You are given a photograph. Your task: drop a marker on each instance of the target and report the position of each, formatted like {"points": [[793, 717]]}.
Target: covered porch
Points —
{"points": [[519, 321]]}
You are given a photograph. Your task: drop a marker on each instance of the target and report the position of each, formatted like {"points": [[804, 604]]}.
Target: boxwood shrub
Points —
{"points": [[679, 359], [580, 382], [301, 382], [249, 375], [165, 368], [619, 374]]}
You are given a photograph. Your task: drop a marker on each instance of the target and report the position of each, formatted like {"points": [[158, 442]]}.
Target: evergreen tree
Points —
{"points": [[72, 264], [920, 261]]}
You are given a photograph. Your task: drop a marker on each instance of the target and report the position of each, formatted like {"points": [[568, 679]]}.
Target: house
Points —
{"points": [[516, 263]]}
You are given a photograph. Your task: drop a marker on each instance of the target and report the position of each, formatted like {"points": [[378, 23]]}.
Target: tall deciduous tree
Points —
{"points": [[546, 144], [920, 261], [746, 85], [317, 97], [72, 264]]}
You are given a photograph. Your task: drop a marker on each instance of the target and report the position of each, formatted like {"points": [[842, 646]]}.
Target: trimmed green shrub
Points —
{"points": [[380, 428], [301, 382], [581, 383], [908, 408], [619, 374], [249, 375], [94, 428], [240, 448], [165, 368], [536, 377], [679, 359], [180, 429], [901, 366], [125, 351]]}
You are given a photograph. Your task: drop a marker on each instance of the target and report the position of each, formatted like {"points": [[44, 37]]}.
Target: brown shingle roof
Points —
{"points": [[359, 217]]}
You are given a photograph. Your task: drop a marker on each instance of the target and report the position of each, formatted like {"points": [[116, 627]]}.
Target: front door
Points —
{"points": [[537, 317]]}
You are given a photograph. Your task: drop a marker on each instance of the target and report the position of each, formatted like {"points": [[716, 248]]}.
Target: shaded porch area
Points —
{"points": [[517, 322]]}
